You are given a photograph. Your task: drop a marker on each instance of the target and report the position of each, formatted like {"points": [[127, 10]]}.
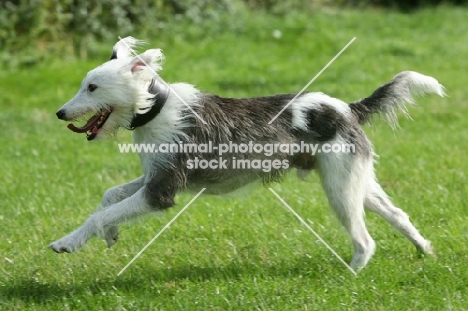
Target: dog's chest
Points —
{"points": [[146, 155]]}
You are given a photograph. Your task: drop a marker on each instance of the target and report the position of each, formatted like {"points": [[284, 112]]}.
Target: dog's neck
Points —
{"points": [[161, 91]]}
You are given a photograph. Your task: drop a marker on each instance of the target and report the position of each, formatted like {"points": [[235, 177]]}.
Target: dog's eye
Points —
{"points": [[92, 87]]}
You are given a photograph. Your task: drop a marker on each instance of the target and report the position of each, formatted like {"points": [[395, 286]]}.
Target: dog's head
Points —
{"points": [[118, 92]]}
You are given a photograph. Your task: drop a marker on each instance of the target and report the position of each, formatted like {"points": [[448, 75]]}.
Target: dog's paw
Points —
{"points": [[425, 248], [56, 247], [67, 244], [111, 235]]}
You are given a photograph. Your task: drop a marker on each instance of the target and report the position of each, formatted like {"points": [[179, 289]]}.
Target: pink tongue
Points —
{"points": [[91, 122]]}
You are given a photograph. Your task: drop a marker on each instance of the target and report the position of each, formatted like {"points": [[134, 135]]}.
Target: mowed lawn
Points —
{"points": [[246, 252]]}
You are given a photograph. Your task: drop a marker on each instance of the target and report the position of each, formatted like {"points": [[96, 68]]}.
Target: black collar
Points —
{"points": [[161, 91]]}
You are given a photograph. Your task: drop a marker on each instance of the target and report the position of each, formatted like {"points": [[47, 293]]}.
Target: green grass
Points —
{"points": [[245, 253]]}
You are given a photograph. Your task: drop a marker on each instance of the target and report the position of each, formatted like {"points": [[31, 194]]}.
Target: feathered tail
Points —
{"points": [[393, 96]]}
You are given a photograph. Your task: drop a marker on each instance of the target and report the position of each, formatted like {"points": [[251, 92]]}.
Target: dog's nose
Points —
{"points": [[61, 114]]}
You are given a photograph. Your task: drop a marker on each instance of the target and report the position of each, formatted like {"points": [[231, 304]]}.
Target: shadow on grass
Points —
{"points": [[29, 290]]}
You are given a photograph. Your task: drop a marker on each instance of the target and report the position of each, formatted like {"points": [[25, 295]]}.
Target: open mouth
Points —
{"points": [[94, 124]]}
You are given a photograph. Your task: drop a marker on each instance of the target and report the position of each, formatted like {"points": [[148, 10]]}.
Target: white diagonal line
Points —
{"points": [[161, 80], [312, 230], [160, 232], [313, 79]]}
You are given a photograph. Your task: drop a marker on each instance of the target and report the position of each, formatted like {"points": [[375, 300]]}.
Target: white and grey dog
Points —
{"points": [[125, 92]]}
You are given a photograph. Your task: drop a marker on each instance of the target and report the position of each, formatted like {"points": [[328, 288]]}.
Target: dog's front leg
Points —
{"points": [[116, 214], [115, 195]]}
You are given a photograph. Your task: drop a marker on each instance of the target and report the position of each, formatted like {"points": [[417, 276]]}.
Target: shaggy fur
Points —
{"points": [[126, 89]]}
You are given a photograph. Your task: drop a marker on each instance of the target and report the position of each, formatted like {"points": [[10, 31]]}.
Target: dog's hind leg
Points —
{"points": [[115, 195], [377, 201], [344, 183]]}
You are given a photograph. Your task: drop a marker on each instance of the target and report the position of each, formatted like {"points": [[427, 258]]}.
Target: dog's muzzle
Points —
{"points": [[92, 126]]}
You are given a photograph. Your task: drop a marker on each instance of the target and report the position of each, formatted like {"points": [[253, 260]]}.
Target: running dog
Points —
{"points": [[126, 92]]}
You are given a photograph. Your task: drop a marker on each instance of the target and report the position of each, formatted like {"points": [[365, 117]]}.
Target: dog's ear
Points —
{"points": [[123, 47], [151, 58]]}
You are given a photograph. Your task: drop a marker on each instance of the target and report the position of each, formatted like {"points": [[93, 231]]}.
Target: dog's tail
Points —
{"points": [[393, 96]]}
